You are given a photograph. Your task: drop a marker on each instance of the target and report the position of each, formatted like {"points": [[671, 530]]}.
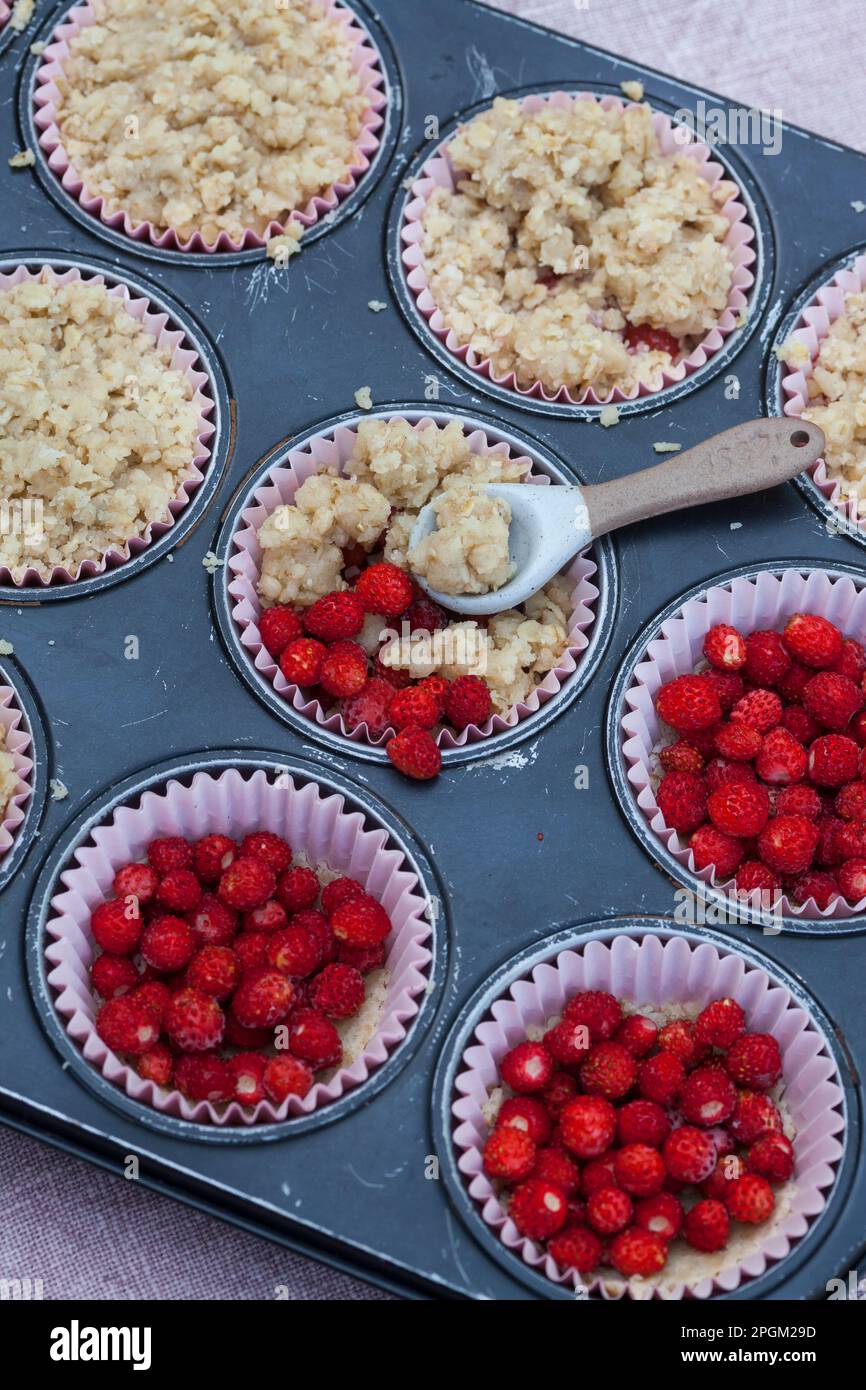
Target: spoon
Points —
{"points": [[549, 525]]}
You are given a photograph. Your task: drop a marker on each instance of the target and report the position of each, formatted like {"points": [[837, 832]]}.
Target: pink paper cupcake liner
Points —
{"points": [[814, 324], [750, 604], [649, 971], [438, 172], [317, 824], [5, 12], [365, 61], [330, 453], [18, 743], [171, 342]]}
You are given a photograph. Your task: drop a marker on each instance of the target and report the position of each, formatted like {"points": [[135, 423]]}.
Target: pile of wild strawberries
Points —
{"points": [[767, 777], [314, 648], [225, 966], [614, 1122]]}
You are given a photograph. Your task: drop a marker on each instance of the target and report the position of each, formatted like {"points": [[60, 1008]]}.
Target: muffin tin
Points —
{"points": [[516, 862]]}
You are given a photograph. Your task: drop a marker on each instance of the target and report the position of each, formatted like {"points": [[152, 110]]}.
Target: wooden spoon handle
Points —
{"points": [[755, 455]]}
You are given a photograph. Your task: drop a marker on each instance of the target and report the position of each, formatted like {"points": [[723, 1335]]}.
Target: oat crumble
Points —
{"points": [[9, 780], [837, 394]]}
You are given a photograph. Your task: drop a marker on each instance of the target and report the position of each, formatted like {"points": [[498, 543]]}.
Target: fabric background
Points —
{"points": [[86, 1234]]}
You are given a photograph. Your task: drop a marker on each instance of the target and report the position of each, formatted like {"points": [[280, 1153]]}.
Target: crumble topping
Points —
{"points": [[837, 394]]}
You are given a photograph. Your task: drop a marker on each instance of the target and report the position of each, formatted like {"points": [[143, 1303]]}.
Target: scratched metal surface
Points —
{"points": [[520, 852]]}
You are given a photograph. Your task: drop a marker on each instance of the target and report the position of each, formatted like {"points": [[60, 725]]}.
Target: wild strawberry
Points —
{"points": [[527, 1067], [271, 849], [509, 1154], [338, 991], [638, 1034], [725, 648], [248, 1069], [678, 1036], [767, 661], [154, 995], [112, 976], [438, 687], [799, 724], [116, 926], [212, 855], [832, 699], [214, 970], [851, 661], [660, 1078], [799, 801], [335, 616], [758, 709], [278, 627], [772, 1156], [750, 1199], [740, 808], [609, 1210], [361, 921], [560, 1089], [344, 670], [205, 1078], [370, 707], [286, 1076], [850, 801], [179, 890], [397, 677], [527, 1114], [682, 800], [738, 743], [720, 773], [643, 335], [821, 887], [720, 1023], [138, 881], [576, 1249], [753, 876], [852, 880], [705, 739], [413, 708], [294, 951], [598, 1173], [639, 1170], [707, 1226], [793, 682], [830, 848], [213, 922], [301, 661], [661, 1215], [788, 844], [194, 1021], [727, 1170], [168, 944], [753, 1116], [314, 1038], [468, 701], [125, 1025], [781, 759], [554, 1165], [689, 1154], [383, 588], [712, 848], [538, 1209], [812, 640], [857, 727], [588, 1124], [297, 888], [637, 1252], [425, 615], [338, 891], [247, 883], [567, 1042], [708, 1097], [608, 1070], [270, 916], [642, 1122], [754, 1061], [246, 1038], [262, 998], [849, 841], [681, 757], [363, 958], [688, 703], [599, 1011], [727, 685], [414, 753], [170, 852], [156, 1065]]}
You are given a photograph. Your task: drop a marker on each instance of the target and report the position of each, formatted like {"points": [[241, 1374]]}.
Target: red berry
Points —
{"points": [[278, 627], [822, 887], [270, 916], [598, 1173], [247, 1038], [314, 1038], [852, 880], [599, 1011], [793, 682], [681, 757], [361, 921], [799, 801], [437, 686], [338, 891], [678, 1037], [643, 335], [262, 998], [468, 701], [638, 1034], [214, 970], [509, 1154], [205, 1078], [576, 1249], [788, 843], [116, 926], [781, 759], [414, 752], [554, 1165], [753, 1116], [179, 891], [295, 951], [425, 615], [344, 670], [370, 707], [212, 855], [660, 1078], [527, 1114], [301, 661], [707, 1225], [394, 675], [850, 802], [725, 648], [286, 1076], [560, 1089], [857, 727], [682, 800], [758, 709], [271, 849], [767, 661], [248, 1069], [413, 708], [297, 888], [712, 848], [247, 883], [728, 685], [213, 923], [538, 1209], [661, 1215], [720, 1023], [750, 1199], [799, 724], [637, 1252], [688, 703], [170, 852], [727, 1170], [363, 958], [383, 588], [608, 1070], [812, 640], [832, 699], [527, 1067], [738, 743], [567, 1042], [154, 995], [168, 944], [338, 991], [609, 1210], [588, 1124], [194, 1021], [335, 616], [138, 881], [772, 1156], [708, 1097], [852, 660], [689, 1154], [642, 1122], [639, 1170], [126, 1025], [156, 1065], [113, 976], [740, 808], [755, 1061]]}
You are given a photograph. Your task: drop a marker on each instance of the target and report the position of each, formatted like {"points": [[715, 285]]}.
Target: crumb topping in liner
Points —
{"points": [[467, 553], [9, 779], [837, 393]]}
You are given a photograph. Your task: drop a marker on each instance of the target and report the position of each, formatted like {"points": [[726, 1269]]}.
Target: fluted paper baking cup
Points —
{"points": [[5, 12], [18, 742], [365, 61], [812, 328], [172, 345], [318, 826], [749, 604], [330, 453], [438, 172], [650, 972]]}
